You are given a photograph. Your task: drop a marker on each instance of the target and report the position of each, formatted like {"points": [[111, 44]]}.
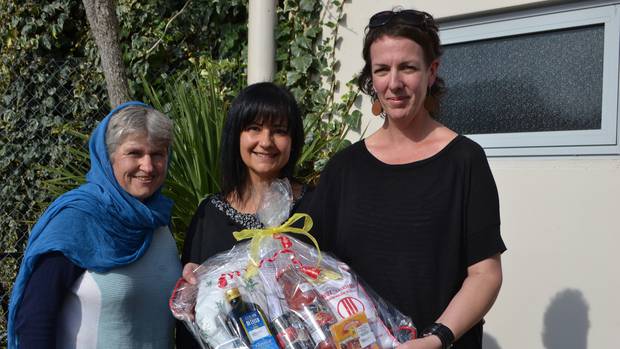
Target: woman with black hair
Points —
{"points": [[261, 141]]}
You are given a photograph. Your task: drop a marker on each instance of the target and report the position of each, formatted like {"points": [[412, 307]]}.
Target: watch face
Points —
{"points": [[430, 330]]}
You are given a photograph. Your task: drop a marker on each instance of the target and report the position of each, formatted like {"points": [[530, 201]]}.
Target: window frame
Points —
{"points": [[545, 143]]}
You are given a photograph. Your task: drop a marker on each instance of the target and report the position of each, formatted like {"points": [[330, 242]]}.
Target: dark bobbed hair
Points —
{"points": [[424, 34], [263, 102]]}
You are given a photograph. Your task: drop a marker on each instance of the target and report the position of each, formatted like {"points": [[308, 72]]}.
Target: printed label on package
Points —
{"points": [[354, 333], [254, 326]]}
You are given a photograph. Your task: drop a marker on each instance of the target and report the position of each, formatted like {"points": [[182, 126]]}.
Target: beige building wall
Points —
{"points": [[558, 219]]}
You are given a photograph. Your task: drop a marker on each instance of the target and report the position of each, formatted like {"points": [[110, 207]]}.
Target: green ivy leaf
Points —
{"points": [[355, 119], [307, 5], [313, 32], [292, 77], [301, 63], [303, 42]]}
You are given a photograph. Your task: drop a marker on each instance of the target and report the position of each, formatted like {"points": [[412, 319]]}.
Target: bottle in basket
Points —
{"points": [[307, 303], [252, 320], [291, 332]]}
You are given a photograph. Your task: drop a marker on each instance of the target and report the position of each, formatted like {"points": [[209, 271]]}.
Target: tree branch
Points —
{"points": [[166, 27]]}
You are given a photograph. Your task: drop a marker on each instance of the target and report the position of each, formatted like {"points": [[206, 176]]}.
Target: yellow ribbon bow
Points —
{"points": [[257, 235]]}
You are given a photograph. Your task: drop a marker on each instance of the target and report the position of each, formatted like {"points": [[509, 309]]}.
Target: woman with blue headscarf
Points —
{"points": [[101, 262]]}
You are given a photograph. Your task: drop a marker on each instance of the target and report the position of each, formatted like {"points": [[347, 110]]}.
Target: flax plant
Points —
{"points": [[197, 106]]}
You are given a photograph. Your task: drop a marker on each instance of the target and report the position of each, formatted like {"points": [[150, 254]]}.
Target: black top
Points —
{"points": [[410, 231], [210, 233]]}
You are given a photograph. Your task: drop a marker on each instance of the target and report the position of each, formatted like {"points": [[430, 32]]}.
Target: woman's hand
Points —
{"points": [[189, 274], [430, 342]]}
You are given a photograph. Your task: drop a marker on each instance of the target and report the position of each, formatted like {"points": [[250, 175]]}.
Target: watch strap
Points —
{"points": [[443, 332]]}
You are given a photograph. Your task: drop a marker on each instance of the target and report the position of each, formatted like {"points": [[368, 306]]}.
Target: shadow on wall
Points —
{"points": [[566, 321], [489, 342]]}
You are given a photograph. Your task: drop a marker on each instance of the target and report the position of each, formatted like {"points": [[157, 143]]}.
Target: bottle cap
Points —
{"points": [[232, 294]]}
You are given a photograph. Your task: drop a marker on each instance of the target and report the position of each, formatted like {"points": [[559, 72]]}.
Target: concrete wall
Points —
{"points": [[558, 220]]}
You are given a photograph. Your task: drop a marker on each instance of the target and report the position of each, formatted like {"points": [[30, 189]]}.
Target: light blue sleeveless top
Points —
{"points": [[126, 307]]}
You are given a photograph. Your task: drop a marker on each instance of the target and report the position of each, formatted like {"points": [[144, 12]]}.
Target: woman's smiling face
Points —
{"points": [[139, 166], [265, 148]]}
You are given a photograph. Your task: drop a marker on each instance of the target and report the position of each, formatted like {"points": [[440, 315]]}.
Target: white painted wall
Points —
{"points": [[559, 222], [558, 219]]}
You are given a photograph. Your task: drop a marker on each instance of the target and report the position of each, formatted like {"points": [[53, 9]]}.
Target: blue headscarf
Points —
{"points": [[98, 226]]}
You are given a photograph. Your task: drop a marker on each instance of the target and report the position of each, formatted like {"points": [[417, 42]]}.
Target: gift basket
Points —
{"points": [[277, 292]]}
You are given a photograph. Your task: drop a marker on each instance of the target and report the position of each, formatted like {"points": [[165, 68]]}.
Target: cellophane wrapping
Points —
{"points": [[310, 299]]}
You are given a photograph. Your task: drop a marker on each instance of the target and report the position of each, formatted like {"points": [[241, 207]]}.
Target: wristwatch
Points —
{"points": [[443, 332]]}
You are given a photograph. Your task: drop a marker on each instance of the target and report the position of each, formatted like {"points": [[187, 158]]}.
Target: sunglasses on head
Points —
{"points": [[412, 17]]}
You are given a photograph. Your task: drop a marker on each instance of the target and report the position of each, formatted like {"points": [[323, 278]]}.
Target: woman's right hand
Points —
{"points": [[189, 274], [430, 342]]}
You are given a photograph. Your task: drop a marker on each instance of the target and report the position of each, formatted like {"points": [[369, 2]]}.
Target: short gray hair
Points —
{"points": [[137, 119]]}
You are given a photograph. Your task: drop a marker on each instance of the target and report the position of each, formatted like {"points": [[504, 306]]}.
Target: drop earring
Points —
{"points": [[377, 108]]}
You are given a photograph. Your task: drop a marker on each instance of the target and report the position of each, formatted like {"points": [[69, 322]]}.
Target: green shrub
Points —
{"points": [[197, 105]]}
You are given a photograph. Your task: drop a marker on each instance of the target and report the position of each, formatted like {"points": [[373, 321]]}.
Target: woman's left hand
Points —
{"points": [[430, 342]]}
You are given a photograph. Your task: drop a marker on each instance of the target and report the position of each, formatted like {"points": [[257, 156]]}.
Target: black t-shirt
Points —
{"points": [[211, 232], [410, 231]]}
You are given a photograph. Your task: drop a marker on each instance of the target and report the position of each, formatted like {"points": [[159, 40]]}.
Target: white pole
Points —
{"points": [[261, 41]]}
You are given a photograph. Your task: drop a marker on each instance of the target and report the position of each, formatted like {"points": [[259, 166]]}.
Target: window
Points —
{"points": [[535, 83]]}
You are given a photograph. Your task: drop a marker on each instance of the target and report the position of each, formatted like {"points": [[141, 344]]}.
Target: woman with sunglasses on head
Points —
{"points": [[261, 141], [414, 208]]}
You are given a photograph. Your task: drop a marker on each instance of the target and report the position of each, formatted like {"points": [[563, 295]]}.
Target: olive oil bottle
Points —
{"points": [[252, 321]]}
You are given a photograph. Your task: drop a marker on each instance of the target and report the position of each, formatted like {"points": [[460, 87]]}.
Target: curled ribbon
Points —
{"points": [[257, 235]]}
